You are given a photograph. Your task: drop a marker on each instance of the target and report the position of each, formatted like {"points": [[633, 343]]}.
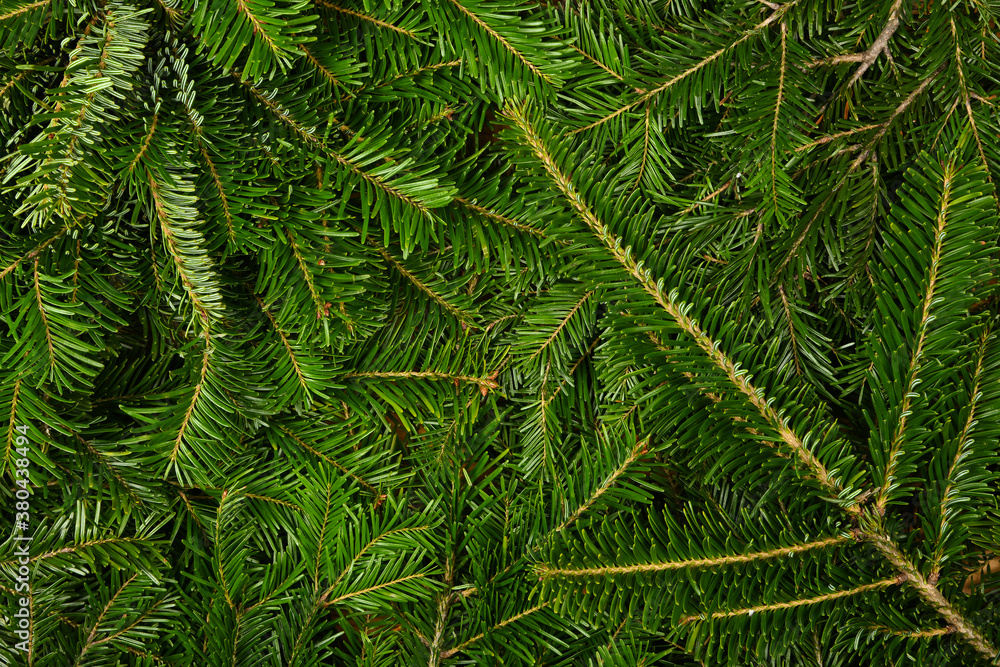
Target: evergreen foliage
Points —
{"points": [[466, 332]]}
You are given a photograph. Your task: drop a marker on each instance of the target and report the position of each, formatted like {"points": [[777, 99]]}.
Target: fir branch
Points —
{"points": [[77, 547], [273, 501], [10, 437], [966, 98], [881, 43], [336, 464], [371, 543], [832, 191], [913, 634], [219, 188], [110, 36], [23, 9], [434, 376], [896, 113], [546, 571], [220, 569], [195, 396], [257, 25], [145, 144], [756, 30], [513, 619], [320, 549], [309, 137], [645, 147], [93, 632], [34, 252], [634, 455], [357, 122], [857, 590], [300, 638], [492, 215], [46, 329], [961, 452], [717, 357], [791, 329], [423, 69], [103, 460], [186, 273], [327, 74], [932, 595], [596, 62], [929, 298], [367, 18], [479, 21], [561, 325], [194, 515], [307, 277], [370, 589], [503, 318], [701, 202], [286, 344], [774, 125], [458, 313], [838, 135]]}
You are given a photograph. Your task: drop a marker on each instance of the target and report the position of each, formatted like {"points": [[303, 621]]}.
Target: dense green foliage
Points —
{"points": [[454, 332]]}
